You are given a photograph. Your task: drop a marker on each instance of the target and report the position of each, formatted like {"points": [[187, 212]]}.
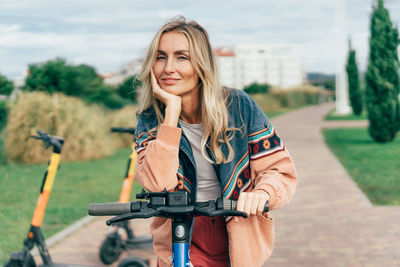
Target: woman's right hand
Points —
{"points": [[173, 103]]}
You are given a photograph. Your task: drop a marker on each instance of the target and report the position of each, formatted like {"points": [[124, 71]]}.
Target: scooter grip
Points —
{"points": [[105, 209], [227, 204]]}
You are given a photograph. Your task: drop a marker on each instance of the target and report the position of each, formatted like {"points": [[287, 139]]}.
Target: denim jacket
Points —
{"points": [[255, 138]]}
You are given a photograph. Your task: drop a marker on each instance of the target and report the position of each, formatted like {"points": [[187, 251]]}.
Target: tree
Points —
{"points": [[255, 88], [6, 86], [57, 76], [382, 78], [81, 81], [128, 88], [354, 83]]}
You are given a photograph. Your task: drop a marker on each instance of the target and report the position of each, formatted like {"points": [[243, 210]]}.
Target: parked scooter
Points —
{"points": [[114, 243], [24, 257]]}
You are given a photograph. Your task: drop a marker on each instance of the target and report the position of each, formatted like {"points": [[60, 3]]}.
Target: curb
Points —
{"points": [[54, 239]]}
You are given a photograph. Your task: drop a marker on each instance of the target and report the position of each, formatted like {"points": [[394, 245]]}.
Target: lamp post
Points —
{"points": [[342, 95]]}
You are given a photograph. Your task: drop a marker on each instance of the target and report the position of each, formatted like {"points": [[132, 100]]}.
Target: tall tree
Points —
{"points": [[382, 78], [353, 82]]}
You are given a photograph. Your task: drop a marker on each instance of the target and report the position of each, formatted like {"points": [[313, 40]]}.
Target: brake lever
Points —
{"points": [[208, 209], [144, 214]]}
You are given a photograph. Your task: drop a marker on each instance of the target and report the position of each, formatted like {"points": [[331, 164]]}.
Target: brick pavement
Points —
{"points": [[329, 222]]}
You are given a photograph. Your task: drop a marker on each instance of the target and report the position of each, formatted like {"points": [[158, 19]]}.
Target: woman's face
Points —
{"points": [[173, 68]]}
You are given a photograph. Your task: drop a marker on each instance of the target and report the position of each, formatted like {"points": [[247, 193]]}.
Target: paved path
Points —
{"points": [[329, 222]]}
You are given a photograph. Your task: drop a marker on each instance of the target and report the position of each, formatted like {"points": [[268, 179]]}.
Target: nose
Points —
{"points": [[169, 66]]}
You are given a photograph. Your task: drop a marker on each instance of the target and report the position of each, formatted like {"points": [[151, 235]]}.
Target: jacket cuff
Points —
{"points": [[269, 190], [169, 135]]}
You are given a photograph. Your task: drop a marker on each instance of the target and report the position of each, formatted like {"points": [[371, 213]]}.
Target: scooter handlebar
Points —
{"points": [[104, 209], [123, 130]]}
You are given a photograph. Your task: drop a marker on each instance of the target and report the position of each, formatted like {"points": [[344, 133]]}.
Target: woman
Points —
{"points": [[194, 135]]}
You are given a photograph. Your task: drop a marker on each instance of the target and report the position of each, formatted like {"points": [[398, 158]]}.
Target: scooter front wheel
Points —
{"points": [[133, 262], [20, 259], [111, 248]]}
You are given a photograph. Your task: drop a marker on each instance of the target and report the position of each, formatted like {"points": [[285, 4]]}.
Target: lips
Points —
{"points": [[170, 81]]}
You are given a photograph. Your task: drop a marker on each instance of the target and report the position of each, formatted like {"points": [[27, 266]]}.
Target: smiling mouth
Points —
{"points": [[169, 81]]}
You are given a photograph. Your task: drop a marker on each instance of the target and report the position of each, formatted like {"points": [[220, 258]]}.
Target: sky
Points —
{"points": [[106, 34]]}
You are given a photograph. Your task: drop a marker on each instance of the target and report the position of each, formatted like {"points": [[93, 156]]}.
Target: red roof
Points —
{"points": [[224, 52]]}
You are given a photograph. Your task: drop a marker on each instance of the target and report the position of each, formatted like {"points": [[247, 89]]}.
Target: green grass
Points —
{"points": [[332, 116], [2, 156], [276, 113], [76, 185], [375, 167]]}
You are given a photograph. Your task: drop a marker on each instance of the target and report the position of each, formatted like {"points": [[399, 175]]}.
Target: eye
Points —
{"points": [[160, 57]]}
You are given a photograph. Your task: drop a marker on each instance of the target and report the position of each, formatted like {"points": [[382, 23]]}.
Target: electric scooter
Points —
{"points": [[178, 207], [114, 244], [35, 236], [24, 257]]}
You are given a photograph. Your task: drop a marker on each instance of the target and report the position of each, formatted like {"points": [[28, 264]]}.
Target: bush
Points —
{"points": [[6, 86], [2, 156], [81, 81], [85, 129], [108, 97], [256, 88], [298, 96], [295, 97], [125, 117], [128, 89], [3, 113]]}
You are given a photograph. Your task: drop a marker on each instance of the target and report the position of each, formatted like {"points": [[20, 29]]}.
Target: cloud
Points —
{"points": [[108, 33]]}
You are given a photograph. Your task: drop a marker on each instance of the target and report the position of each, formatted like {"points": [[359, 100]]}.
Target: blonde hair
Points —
{"points": [[213, 109]]}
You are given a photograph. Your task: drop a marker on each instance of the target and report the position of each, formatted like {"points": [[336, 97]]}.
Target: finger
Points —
{"points": [[247, 204], [241, 201], [261, 203], [254, 204], [153, 77]]}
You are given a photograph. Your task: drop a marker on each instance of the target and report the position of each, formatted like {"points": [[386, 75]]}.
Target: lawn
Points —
{"points": [[332, 116], [374, 167], [276, 113], [76, 185]]}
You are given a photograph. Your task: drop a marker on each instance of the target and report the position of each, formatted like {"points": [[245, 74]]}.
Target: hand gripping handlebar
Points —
{"points": [[167, 205]]}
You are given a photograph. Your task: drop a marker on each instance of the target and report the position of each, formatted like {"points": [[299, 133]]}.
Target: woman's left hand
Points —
{"points": [[252, 203]]}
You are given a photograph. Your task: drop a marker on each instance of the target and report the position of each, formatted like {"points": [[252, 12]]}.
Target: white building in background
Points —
{"points": [[276, 64], [127, 70]]}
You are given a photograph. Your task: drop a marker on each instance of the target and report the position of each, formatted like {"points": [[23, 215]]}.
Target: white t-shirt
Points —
{"points": [[208, 185]]}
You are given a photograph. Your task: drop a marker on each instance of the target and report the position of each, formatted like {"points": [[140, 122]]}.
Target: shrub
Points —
{"points": [[6, 86], [256, 88], [128, 89], [84, 128], [108, 96], [3, 113], [299, 96], [124, 117]]}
